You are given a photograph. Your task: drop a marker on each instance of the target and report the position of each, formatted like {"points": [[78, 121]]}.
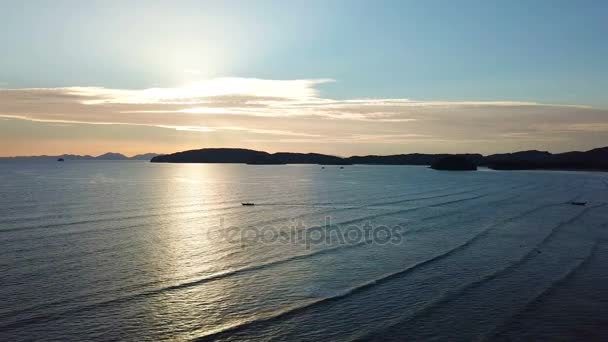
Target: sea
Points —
{"points": [[138, 251]]}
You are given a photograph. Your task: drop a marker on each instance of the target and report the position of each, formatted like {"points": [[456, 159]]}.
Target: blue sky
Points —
{"points": [[550, 52]]}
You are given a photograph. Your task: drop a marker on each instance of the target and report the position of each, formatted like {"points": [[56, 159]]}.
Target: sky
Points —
{"points": [[339, 77]]}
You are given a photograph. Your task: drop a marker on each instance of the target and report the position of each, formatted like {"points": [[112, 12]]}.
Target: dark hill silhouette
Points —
{"points": [[144, 156], [213, 155], [112, 156], [410, 159], [239, 155], [594, 159], [309, 158], [66, 157], [531, 155], [454, 163]]}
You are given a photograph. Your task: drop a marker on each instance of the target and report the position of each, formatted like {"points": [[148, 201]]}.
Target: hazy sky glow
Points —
{"points": [[341, 77]]}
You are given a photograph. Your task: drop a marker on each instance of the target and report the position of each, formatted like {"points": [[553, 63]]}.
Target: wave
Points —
{"points": [[362, 219], [236, 205], [188, 202], [501, 329], [278, 262], [203, 280], [193, 219], [427, 309], [456, 212], [215, 276], [270, 264], [367, 285], [79, 204]]}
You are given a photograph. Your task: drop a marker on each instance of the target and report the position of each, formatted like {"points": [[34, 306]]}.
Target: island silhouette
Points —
{"points": [[454, 163], [595, 159], [105, 156]]}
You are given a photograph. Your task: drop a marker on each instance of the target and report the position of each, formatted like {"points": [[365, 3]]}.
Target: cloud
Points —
{"points": [[202, 92], [242, 129], [295, 111]]}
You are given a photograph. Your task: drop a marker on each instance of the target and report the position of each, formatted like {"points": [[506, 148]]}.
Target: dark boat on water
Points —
{"points": [[60, 159], [578, 203], [247, 203]]}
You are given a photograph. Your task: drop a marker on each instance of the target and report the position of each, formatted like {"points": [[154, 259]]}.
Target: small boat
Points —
{"points": [[341, 167], [60, 159], [247, 203], [578, 203]]}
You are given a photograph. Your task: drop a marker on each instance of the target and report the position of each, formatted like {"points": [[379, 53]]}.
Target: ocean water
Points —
{"points": [[139, 251]]}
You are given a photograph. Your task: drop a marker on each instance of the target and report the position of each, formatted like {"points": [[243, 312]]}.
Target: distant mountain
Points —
{"points": [[308, 158], [105, 156], [245, 156], [596, 159], [593, 159], [64, 156], [410, 159], [212, 155], [145, 156], [235, 155], [112, 156], [454, 163], [529, 156]]}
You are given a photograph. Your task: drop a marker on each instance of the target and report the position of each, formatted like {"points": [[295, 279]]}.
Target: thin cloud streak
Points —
{"points": [[294, 111], [243, 129]]}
